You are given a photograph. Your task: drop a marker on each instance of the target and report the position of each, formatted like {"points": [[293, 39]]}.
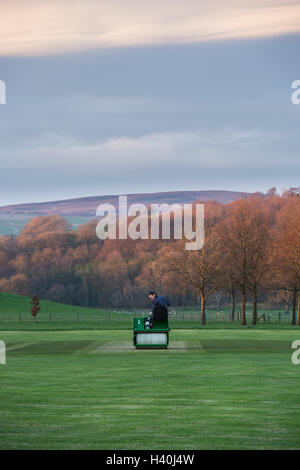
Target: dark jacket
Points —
{"points": [[161, 301]]}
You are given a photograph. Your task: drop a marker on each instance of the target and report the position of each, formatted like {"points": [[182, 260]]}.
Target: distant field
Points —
{"points": [[212, 389], [15, 315], [14, 224]]}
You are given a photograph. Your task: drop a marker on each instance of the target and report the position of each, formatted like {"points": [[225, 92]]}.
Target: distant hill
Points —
{"points": [[86, 206]]}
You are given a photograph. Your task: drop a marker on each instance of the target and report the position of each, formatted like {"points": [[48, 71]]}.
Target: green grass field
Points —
{"points": [[212, 389], [74, 381]]}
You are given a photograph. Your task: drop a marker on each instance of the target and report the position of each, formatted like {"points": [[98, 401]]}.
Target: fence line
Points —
{"points": [[112, 316]]}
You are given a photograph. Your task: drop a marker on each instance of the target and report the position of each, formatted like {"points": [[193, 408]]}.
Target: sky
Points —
{"points": [[131, 96]]}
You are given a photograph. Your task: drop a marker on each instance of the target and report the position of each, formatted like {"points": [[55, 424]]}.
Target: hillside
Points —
{"points": [[86, 206], [16, 304]]}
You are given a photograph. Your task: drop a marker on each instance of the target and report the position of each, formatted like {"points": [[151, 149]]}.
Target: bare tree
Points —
{"points": [[245, 233], [286, 249], [200, 268]]}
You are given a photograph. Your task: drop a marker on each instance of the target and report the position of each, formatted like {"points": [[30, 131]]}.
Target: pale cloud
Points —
{"points": [[57, 26], [231, 159], [199, 150]]}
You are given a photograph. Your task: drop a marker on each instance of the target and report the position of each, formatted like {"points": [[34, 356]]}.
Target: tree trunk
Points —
{"points": [[85, 289], [220, 302], [232, 295], [287, 306], [203, 317], [243, 306], [294, 306], [254, 318]]}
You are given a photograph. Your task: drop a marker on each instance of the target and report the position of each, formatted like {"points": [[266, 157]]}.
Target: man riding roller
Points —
{"points": [[157, 301]]}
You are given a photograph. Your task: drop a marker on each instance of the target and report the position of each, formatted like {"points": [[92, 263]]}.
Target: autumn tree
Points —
{"points": [[245, 233], [287, 250], [16, 284], [200, 268]]}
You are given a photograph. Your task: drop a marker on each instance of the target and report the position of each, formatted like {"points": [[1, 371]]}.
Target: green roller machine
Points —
{"points": [[155, 337]]}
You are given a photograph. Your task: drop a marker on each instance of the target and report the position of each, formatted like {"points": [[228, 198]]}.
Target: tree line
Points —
{"points": [[251, 253]]}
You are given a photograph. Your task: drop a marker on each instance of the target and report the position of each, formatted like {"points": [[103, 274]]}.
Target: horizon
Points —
{"points": [[139, 194]]}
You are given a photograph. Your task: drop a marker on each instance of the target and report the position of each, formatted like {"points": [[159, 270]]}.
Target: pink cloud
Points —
{"points": [[55, 26]]}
